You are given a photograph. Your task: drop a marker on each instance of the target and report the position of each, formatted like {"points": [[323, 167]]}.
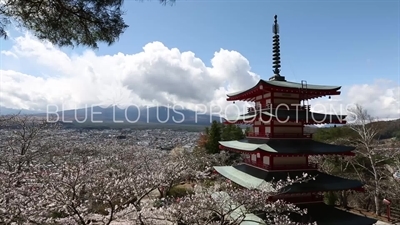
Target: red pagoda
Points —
{"points": [[278, 147]]}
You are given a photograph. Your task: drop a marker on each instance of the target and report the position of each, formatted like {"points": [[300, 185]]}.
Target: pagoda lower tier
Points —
{"points": [[251, 177], [329, 215], [282, 115], [324, 214], [305, 195]]}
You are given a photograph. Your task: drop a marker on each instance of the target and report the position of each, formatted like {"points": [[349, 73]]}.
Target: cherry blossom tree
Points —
{"points": [[21, 146], [61, 180], [228, 205], [369, 165], [27, 140]]}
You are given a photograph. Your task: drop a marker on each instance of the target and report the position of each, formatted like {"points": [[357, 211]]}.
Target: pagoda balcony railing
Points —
{"points": [[304, 199], [259, 107], [270, 135], [282, 106], [306, 107], [309, 166]]}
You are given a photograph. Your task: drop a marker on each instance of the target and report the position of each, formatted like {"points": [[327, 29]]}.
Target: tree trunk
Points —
{"points": [[377, 204], [343, 199], [368, 203]]}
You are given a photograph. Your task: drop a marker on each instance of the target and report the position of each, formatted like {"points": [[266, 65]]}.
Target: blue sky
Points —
{"points": [[327, 42], [343, 43], [340, 42]]}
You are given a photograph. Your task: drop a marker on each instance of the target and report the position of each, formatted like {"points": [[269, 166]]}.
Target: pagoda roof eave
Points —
{"points": [[324, 214], [320, 212], [323, 182], [252, 177], [267, 85], [243, 179], [241, 92], [246, 147], [295, 85], [286, 146]]}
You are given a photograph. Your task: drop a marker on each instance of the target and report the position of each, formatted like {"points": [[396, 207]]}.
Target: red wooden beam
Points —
{"points": [[254, 91]]}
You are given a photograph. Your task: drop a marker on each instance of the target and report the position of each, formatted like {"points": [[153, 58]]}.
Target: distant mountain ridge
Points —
{"points": [[113, 114], [155, 115], [9, 111]]}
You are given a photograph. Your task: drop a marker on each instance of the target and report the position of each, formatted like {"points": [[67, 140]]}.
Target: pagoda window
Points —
{"points": [[267, 101], [258, 105], [259, 97], [253, 157], [267, 130], [256, 130], [267, 95], [266, 160]]}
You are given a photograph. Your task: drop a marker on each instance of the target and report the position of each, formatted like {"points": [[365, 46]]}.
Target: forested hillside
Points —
{"points": [[386, 130]]}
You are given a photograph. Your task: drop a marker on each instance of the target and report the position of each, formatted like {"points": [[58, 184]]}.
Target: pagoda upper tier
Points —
{"points": [[286, 117], [278, 87]]}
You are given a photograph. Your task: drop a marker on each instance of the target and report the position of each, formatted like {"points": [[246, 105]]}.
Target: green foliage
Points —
{"points": [[387, 129], [58, 215], [158, 203], [99, 208], [198, 151], [334, 133], [231, 132], [330, 198], [247, 131], [208, 183], [396, 135], [179, 192], [207, 131], [220, 132], [213, 138], [67, 22]]}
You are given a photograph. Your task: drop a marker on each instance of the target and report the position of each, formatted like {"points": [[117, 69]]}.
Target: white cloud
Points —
{"points": [[381, 99], [157, 75], [9, 53]]}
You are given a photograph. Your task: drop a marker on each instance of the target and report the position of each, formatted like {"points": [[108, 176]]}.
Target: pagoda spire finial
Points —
{"points": [[276, 26], [276, 52]]}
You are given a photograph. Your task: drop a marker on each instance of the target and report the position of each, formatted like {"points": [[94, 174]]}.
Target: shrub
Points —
{"points": [[179, 191], [209, 183], [58, 215], [330, 198]]}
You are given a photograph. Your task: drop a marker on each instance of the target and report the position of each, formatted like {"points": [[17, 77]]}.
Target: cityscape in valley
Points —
{"points": [[249, 150]]}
